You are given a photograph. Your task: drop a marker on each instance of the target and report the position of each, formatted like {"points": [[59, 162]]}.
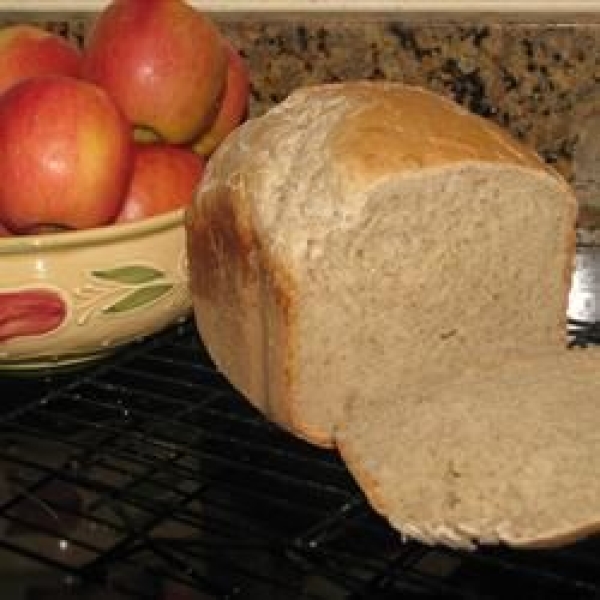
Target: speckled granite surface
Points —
{"points": [[539, 80]]}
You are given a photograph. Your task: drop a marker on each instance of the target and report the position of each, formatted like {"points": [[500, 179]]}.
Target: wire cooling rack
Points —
{"points": [[146, 476]]}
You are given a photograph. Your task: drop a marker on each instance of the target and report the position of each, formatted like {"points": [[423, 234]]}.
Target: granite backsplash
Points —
{"points": [[540, 78]]}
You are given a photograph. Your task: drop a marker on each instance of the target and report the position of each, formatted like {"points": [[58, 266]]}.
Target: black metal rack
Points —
{"points": [[146, 476]]}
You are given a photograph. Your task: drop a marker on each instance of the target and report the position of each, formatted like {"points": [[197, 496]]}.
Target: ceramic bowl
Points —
{"points": [[75, 296]]}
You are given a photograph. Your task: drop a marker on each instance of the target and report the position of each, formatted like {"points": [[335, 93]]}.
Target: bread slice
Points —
{"points": [[361, 236], [510, 456]]}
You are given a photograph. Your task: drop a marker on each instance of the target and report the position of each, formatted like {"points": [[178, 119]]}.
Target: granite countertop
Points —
{"points": [[539, 79]]}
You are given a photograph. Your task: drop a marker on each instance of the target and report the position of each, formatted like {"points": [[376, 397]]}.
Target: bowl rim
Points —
{"points": [[116, 232]]}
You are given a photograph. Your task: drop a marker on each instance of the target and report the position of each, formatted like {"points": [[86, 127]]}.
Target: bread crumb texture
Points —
{"points": [[509, 455]]}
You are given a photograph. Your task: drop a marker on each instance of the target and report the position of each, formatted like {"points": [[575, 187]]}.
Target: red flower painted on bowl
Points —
{"points": [[30, 312]]}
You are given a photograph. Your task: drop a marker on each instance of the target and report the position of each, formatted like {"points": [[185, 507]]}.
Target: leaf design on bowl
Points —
{"points": [[124, 289], [137, 277], [130, 275], [30, 312], [139, 298]]}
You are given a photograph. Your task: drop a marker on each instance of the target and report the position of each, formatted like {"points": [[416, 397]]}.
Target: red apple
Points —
{"points": [[4, 231], [162, 61], [28, 51], [233, 107], [67, 155], [164, 178]]}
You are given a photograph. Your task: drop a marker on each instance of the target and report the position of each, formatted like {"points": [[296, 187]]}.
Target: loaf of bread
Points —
{"points": [[509, 456], [363, 235]]}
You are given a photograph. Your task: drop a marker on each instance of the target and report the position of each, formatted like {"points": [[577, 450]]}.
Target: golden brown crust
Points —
{"points": [[239, 289], [417, 129], [570, 250], [558, 539], [219, 238], [227, 278]]}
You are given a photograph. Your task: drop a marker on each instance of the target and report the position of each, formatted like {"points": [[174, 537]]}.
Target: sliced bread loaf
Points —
{"points": [[507, 456], [364, 235]]}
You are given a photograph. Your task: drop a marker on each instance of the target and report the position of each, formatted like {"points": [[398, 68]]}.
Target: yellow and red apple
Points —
{"points": [[67, 155], [164, 178], [29, 51], [234, 104], [162, 61]]}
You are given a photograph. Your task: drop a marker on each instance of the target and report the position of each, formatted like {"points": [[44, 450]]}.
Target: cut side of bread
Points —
{"points": [[506, 456], [364, 236]]}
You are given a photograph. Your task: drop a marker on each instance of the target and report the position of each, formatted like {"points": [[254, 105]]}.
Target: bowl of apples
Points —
{"points": [[98, 166]]}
